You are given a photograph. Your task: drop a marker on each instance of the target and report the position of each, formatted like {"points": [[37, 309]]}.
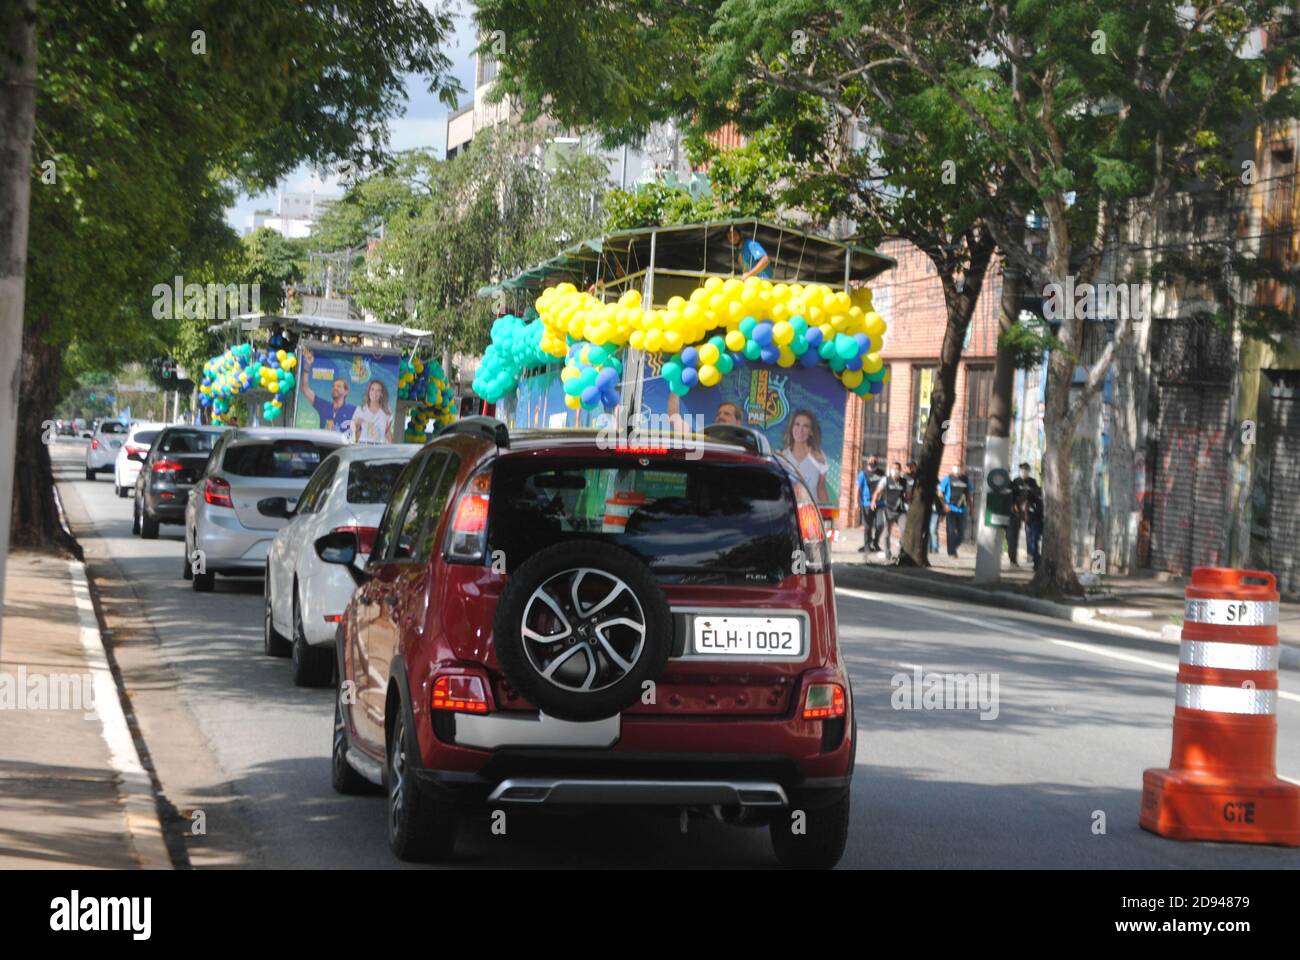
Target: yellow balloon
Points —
{"points": [[872, 363], [782, 333], [852, 378], [709, 354], [672, 341], [573, 403], [654, 340], [712, 284], [637, 339], [709, 375], [787, 358], [735, 341], [779, 311]]}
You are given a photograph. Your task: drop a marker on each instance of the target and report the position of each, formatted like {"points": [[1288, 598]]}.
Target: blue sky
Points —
{"points": [[424, 123]]}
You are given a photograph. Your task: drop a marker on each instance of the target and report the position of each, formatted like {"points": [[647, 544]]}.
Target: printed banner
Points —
{"points": [[349, 390], [801, 410]]}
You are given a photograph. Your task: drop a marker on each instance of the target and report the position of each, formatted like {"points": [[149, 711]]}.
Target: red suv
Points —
{"points": [[549, 618]]}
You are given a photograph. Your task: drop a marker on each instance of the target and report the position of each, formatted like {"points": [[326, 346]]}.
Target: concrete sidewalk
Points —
{"points": [[72, 791], [1148, 605]]}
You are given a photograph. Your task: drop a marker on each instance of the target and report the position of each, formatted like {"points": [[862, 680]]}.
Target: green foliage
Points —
{"points": [[151, 136], [452, 226]]}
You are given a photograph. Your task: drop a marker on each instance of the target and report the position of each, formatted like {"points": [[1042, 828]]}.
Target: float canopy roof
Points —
{"points": [[701, 249], [322, 327]]}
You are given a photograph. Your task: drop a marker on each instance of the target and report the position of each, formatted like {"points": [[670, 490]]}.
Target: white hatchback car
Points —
{"points": [[126, 467], [104, 444], [304, 596]]}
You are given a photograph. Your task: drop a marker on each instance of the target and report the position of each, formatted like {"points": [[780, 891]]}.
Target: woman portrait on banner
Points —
{"points": [[803, 450], [373, 422]]}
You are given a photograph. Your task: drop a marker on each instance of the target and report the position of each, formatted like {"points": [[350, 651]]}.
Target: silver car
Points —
{"points": [[224, 530], [104, 444]]}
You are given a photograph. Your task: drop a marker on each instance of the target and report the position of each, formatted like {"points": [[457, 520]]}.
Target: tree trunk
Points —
{"points": [[17, 122], [960, 306], [1055, 574], [35, 519]]}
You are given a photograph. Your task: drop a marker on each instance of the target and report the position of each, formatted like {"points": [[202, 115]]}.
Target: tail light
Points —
{"points": [[811, 531], [365, 537], [166, 466], [216, 491], [461, 693], [823, 701], [132, 448], [333, 617], [468, 537], [94, 444]]}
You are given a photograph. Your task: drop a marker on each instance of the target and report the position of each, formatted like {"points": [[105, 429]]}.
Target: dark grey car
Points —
{"points": [[176, 460]]}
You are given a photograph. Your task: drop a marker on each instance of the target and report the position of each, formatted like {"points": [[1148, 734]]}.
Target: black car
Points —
{"points": [[176, 460]]}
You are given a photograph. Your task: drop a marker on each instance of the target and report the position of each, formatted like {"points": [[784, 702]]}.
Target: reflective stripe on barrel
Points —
{"points": [[1229, 656], [1231, 613], [1251, 701]]}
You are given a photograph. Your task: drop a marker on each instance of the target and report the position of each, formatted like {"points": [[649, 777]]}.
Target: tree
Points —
{"points": [[150, 125], [914, 167], [452, 226], [1091, 112]]}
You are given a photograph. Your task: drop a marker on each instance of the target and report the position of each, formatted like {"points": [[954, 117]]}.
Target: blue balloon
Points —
{"points": [[690, 357], [876, 386], [864, 342], [589, 396], [853, 363], [606, 378], [763, 333], [689, 376], [810, 359], [813, 336], [770, 354]]}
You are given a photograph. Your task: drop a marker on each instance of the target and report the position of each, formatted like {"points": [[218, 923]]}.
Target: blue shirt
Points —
{"points": [[331, 419], [751, 251], [956, 499]]}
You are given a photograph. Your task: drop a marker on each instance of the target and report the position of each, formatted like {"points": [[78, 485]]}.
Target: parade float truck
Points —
{"points": [[655, 333], [314, 372]]}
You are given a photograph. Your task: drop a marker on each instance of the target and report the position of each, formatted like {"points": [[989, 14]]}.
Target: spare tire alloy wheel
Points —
{"points": [[580, 628]]}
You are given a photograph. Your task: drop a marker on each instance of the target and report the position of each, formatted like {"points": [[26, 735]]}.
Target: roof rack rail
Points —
{"points": [[755, 441], [489, 427]]}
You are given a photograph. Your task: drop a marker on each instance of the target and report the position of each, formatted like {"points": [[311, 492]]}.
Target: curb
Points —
{"points": [[850, 575], [140, 805]]}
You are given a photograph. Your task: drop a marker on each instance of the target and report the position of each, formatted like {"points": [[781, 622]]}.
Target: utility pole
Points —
{"points": [[997, 450]]}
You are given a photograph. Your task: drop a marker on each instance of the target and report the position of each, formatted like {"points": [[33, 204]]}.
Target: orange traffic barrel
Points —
{"points": [[620, 507], [1221, 782]]}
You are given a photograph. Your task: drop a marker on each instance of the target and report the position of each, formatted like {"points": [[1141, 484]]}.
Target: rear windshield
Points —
{"points": [[371, 481], [188, 441], [690, 522], [277, 459], [112, 426], [146, 436]]}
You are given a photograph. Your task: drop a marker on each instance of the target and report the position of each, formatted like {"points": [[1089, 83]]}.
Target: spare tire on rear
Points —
{"points": [[579, 629]]}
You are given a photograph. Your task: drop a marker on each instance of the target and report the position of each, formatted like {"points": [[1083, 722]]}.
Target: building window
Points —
{"points": [[487, 69], [875, 424], [923, 379], [979, 394]]}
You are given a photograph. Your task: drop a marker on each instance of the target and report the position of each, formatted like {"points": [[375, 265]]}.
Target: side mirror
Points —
{"points": [[274, 507], [342, 547]]}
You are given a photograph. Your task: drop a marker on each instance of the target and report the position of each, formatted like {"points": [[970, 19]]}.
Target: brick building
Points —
{"points": [[892, 424]]}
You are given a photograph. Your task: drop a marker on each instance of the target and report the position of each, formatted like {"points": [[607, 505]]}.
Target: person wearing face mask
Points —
{"points": [[1022, 488], [867, 480], [889, 504], [955, 491]]}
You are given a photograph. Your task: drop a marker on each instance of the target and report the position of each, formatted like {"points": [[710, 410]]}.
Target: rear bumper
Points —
{"points": [[555, 778]]}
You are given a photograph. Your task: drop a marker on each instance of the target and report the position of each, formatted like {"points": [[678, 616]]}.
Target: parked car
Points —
{"points": [[247, 465], [304, 598], [545, 619], [126, 465], [174, 462], [105, 441]]}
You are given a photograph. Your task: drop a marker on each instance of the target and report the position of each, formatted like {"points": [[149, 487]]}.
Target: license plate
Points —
{"points": [[115, 443], [747, 636]]}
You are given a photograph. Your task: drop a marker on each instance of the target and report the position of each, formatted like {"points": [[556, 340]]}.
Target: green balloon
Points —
{"points": [[747, 326], [725, 364], [752, 350]]}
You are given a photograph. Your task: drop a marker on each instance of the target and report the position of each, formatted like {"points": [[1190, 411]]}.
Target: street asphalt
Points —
{"points": [[1052, 781]]}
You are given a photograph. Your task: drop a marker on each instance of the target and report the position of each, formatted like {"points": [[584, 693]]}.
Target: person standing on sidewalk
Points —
{"points": [[1021, 488], [866, 483], [889, 504], [1033, 515], [955, 490]]}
